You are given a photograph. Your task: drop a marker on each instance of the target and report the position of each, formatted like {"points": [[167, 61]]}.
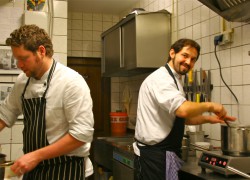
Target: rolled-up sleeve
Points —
{"points": [[78, 109], [10, 109], [167, 95]]}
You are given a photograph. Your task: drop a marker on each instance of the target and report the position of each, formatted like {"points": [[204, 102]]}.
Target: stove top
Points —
{"points": [[216, 161]]}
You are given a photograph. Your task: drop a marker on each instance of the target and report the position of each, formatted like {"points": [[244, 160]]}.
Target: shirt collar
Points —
{"points": [[175, 73]]}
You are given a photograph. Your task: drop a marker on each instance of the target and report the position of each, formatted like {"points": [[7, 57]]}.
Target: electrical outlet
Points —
{"points": [[226, 37]]}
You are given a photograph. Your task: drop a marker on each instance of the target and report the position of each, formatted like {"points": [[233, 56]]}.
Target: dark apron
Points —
{"points": [[35, 137], [151, 164]]}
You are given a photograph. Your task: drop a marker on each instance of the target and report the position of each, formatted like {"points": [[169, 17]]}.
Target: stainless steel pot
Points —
{"points": [[235, 140], [3, 164]]}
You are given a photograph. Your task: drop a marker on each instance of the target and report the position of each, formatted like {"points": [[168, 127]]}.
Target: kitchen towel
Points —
{"points": [[173, 165]]}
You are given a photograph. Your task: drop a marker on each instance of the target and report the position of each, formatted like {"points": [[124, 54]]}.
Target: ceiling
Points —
{"points": [[101, 6]]}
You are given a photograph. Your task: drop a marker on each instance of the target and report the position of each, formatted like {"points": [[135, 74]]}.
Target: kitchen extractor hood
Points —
{"points": [[231, 10]]}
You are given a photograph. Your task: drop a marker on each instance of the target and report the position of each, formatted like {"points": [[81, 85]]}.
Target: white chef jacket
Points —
{"points": [[68, 108], [158, 100]]}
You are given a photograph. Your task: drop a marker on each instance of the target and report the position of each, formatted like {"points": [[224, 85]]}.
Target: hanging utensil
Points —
{"points": [[186, 86], [190, 82], [201, 86], [209, 86]]}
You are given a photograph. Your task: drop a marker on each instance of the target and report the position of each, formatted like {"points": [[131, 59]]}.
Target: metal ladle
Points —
{"points": [[227, 123]]}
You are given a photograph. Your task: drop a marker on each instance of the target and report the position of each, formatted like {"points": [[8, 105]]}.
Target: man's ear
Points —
{"points": [[41, 50], [172, 53]]}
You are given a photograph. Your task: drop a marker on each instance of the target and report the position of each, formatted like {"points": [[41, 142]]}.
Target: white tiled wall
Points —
{"points": [[84, 32], [193, 20]]}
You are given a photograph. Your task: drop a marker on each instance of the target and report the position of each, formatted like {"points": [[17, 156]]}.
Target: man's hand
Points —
{"points": [[25, 163]]}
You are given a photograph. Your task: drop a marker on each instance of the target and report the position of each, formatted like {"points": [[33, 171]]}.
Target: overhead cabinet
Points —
{"points": [[139, 43]]}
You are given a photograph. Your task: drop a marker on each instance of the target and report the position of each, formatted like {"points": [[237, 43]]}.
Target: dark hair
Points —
{"points": [[31, 37], [179, 44]]}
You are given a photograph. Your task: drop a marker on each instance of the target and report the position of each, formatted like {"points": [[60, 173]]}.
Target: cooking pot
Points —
{"points": [[235, 140], [3, 164]]}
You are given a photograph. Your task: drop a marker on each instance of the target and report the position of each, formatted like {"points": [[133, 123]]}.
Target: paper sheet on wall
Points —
{"points": [[10, 19]]}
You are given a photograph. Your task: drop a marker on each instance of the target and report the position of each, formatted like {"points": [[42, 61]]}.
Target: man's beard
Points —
{"points": [[178, 68]]}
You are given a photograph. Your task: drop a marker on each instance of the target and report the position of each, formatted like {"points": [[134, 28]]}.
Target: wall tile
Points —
{"points": [[60, 26], [87, 25], [226, 96], [60, 43], [205, 28], [87, 45], [87, 54], [76, 35], [97, 46], [188, 5], [181, 8], [76, 53], [5, 136], [226, 73], [107, 17], [215, 77], [174, 23], [188, 19], [214, 24], [236, 74], [96, 36], [60, 9], [6, 150], [16, 151], [87, 36], [97, 54], [61, 57], [204, 13], [205, 45], [237, 37], [115, 19], [69, 21], [246, 34], [17, 133], [97, 17], [238, 92], [76, 15], [245, 54], [246, 74], [181, 22], [225, 58], [77, 24], [196, 16], [77, 45], [197, 31], [245, 112], [107, 25], [246, 95], [236, 56], [205, 61], [189, 32], [88, 16], [97, 26], [69, 45]]}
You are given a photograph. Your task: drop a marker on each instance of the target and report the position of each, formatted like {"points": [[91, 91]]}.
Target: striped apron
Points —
{"points": [[34, 137]]}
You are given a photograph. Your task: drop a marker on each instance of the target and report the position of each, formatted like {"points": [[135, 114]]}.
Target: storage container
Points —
{"points": [[118, 122]]}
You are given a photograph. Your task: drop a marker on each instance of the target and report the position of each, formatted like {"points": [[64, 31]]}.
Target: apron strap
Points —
{"points": [[50, 76], [171, 74]]}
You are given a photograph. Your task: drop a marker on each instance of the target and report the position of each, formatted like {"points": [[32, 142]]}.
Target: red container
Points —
{"points": [[118, 123]]}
